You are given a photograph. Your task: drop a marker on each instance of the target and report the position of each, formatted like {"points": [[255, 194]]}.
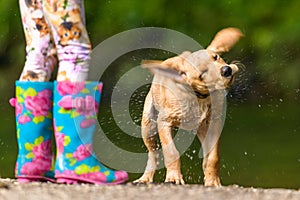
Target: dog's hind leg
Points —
{"points": [[149, 134]]}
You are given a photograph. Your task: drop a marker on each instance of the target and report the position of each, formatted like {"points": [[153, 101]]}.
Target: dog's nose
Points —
{"points": [[226, 71]]}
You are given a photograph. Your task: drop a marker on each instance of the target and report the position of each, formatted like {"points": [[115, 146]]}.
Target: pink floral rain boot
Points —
{"points": [[75, 114], [33, 109]]}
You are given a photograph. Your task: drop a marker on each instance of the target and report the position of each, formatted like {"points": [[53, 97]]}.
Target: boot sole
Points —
{"points": [[76, 180], [28, 179]]}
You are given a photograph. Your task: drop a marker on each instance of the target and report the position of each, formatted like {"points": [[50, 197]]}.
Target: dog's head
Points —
{"points": [[203, 70]]}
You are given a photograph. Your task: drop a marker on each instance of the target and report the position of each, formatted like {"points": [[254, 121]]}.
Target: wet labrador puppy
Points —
{"points": [[181, 96]]}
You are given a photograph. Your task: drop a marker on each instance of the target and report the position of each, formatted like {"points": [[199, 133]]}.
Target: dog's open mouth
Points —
{"points": [[200, 95], [231, 80]]}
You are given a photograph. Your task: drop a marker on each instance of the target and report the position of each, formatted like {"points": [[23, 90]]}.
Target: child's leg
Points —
{"points": [[71, 39], [41, 55]]}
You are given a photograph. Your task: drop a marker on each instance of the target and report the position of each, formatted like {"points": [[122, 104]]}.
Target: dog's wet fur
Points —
{"points": [[180, 97]]}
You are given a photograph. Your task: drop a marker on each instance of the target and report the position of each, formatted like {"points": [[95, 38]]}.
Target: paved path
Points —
{"points": [[11, 190]]}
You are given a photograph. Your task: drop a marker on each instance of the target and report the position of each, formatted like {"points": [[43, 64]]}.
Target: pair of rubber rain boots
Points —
{"points": [[70, 110]]}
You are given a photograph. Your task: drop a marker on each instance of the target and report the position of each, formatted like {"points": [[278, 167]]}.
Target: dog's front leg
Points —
{"points": [[211, 160], [171, 155], [149, 131], [149, 134], [211, 167]]}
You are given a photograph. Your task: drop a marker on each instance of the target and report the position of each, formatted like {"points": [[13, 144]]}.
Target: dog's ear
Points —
{"points": [[163, 68], [225, 40]]}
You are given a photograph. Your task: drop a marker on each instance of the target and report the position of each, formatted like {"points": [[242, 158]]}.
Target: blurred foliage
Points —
{"points": [[270, 49]]}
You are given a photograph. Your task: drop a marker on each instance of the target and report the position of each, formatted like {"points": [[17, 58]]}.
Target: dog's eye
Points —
{"points": [[202, 74], [182, 73], [216, 57]]}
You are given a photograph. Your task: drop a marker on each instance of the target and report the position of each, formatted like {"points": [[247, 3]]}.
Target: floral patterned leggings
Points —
{"points": [[55, 30]]}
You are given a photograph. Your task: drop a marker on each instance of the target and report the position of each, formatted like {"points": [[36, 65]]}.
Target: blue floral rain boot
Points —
{"points": [[33, 109], [75, 114]]}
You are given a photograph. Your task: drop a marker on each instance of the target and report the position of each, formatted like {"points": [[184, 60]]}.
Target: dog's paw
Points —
{"points": [[176, 181], [175, 178], [142, 180], [212, 181]]}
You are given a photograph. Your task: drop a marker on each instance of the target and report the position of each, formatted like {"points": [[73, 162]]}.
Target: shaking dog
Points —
{"points": [[181, 95]]}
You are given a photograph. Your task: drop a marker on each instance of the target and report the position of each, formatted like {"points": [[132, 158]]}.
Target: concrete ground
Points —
{"points": [[10, 189]]}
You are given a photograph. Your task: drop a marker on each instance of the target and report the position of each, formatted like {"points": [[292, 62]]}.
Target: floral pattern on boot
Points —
{"points": [[75, 113], [33, 109]]}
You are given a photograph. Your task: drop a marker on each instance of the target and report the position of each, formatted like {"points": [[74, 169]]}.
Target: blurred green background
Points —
{"points": [[260, 142]]}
